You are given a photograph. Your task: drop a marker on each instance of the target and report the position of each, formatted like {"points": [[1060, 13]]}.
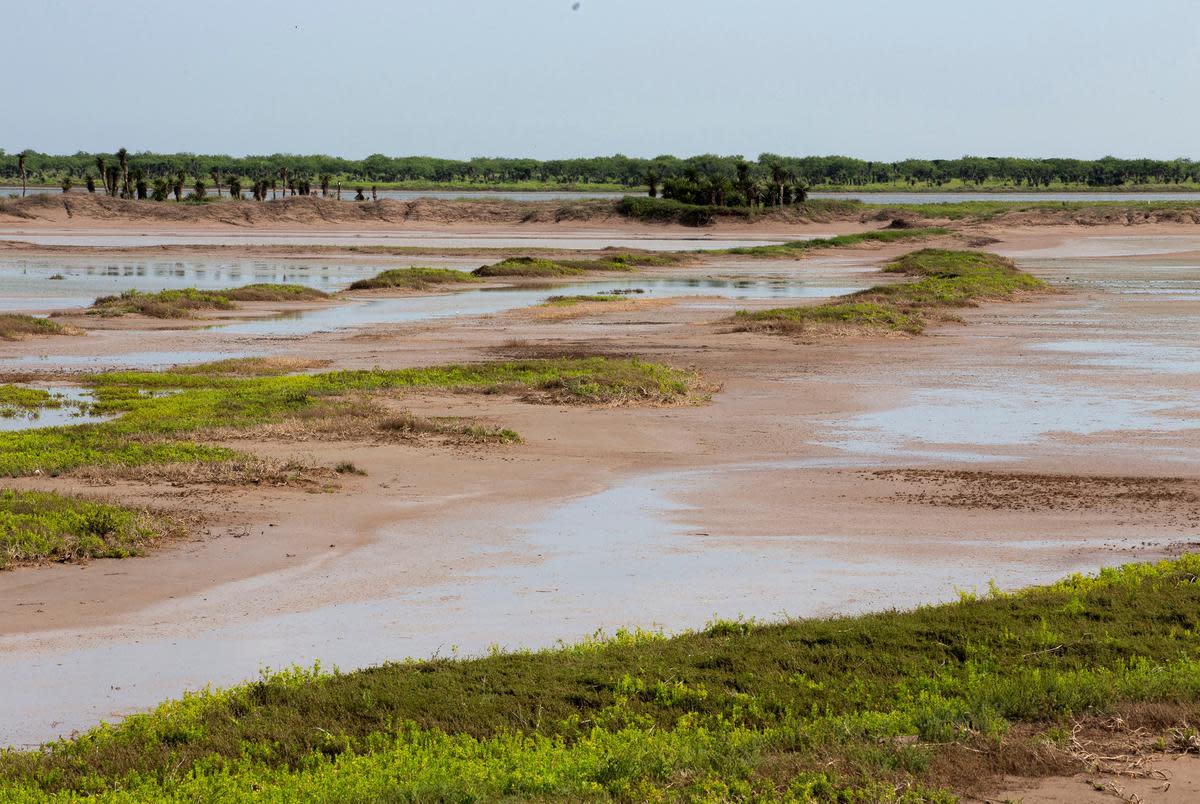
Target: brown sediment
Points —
{"points": [[756, 471]]}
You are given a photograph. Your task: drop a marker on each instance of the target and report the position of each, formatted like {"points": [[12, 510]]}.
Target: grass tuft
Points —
{"points": [[16, 327], [414, 279], [37, 527], [606, 261], [184, 302]]}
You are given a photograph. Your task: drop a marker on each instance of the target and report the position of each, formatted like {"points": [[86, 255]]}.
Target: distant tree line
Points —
{"points": [[700, 179]]}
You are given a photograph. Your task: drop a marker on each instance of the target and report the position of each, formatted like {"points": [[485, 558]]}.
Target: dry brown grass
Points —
{"points": [[253, 471], [14, 327], [363, 418]]}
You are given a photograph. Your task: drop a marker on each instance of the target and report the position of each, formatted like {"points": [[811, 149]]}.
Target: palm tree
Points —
{"points": [[652, 180], [111, 180], [235, 188], [123, 160], [91, 183], [216, 177], [66, 183], [283, 174], [199, 189], [325, 178], [180, 178], [21, 166], [102, 167], [139, 183], [779, 177], [744, 182]]}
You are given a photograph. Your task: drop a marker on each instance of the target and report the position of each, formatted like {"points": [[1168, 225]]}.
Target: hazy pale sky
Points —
{"points": [[460, 78]]}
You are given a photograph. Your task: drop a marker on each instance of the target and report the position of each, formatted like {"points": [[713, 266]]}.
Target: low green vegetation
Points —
{"points": [[184, 302], [161, 417], [794, 247], [18, 399], [571, 301], [946, 279], [16, 327], [37, 527], [896, 706], [604, 261], [414, 279]]}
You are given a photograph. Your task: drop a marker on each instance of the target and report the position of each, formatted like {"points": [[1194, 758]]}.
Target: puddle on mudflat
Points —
{"points": [[70, 407], [1137, 355], [1001, 416]]}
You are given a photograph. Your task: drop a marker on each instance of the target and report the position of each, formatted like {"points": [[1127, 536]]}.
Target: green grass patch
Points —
{"points": [[794, 247], [184, 302], [604, 261], [16, 327], [414, 279], [18, 399], [37, 527], [848, 708], [571, 301], [161, 415], [945, 279]]}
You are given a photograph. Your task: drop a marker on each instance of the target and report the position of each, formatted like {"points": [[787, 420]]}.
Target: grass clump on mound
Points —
{"points": [[152, 428], [945, 279], [414, 279], [794, 247], [930, 702], [528, 266], [38, 527], [605, 261], [16, 327], [183, 302]]}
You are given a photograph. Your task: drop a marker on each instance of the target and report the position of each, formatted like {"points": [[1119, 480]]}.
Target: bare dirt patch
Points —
{"points": [[1175, 499]]}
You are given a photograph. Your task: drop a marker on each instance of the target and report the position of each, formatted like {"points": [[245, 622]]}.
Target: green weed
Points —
{"points": [[38, 527], [414, 279], [945, 279]]}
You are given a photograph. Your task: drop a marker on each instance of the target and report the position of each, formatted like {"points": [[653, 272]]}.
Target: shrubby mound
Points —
{"points": [[947, 279]]}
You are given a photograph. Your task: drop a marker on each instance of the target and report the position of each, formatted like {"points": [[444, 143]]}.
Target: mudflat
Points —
{"points": [[825, 473]]}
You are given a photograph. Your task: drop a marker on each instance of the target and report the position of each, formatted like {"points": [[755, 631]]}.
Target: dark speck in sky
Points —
{"points": [[576, 6]]}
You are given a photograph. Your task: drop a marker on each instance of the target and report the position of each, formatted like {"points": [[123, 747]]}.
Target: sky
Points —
{"points": [[875, 79]]}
